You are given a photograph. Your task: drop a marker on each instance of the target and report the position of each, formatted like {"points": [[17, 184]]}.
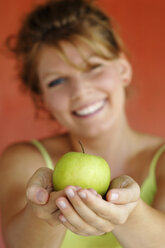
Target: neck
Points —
{"points": [[115, 145]]}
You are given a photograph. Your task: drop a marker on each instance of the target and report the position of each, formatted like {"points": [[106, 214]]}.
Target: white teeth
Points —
{"points": [[91, 109]]}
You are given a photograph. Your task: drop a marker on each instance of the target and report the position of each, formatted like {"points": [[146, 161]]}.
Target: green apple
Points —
{"points": [[81, 169]]}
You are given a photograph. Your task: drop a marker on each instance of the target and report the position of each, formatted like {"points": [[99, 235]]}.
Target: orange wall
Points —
{"points": [[142, 26]]}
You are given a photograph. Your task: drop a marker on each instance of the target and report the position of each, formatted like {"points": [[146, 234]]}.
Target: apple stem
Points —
{"points": [[81, 146]]}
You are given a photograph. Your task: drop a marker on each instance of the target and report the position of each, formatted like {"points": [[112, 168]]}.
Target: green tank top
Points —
{"points": [[148, 190]]}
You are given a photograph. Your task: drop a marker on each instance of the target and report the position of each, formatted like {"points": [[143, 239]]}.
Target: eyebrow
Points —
{"points": [[49, 73], [58, 74]]}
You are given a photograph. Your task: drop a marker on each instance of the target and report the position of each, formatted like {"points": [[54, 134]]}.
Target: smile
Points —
{"points": [[90, 110]]}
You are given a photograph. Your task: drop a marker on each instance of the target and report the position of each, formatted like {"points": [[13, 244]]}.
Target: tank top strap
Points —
{"points": [[44, 153], [149, 186], [155, 159]]}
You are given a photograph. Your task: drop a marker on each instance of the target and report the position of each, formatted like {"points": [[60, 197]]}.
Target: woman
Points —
{"points": [[76, 66]]}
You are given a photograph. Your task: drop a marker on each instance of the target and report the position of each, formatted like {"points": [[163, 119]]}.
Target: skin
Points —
{"points": [[106, 134]]}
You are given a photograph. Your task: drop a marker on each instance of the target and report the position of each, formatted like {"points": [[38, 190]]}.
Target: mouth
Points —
{"points": [[90, 110]]}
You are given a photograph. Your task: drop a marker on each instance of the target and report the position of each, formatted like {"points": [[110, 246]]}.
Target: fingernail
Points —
{"points": [[82, 194], [62, 204], [41, 196], [70, 192], [77, 187], [62, 218], [114, 196], [99, 196]]}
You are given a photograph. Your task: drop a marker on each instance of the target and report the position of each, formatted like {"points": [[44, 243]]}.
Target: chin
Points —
{"points": [[94, 132]]}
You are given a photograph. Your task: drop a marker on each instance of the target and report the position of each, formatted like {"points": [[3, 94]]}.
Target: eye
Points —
{"points": [[56, 82], [94, 67]]}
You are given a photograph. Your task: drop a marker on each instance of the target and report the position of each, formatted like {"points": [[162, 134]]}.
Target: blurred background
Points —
{"points": [[142, 26]]}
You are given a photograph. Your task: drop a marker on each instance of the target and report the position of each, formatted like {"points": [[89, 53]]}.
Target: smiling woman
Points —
{"points": [[86, 92], [73, 61]]}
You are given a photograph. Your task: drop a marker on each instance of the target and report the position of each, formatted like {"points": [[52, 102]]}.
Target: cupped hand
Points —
{"points": [[86, 213], [41, 196]]}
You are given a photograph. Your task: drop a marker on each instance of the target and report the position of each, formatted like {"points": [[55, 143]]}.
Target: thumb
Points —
{"points": [[40, 185], [123, 190]]}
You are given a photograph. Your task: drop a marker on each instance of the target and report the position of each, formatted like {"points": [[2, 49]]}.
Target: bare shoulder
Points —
{"points": [[153, 144], [156, 144], [57, 146], [20, 161], [20, 157], [148, 145], [144, 149], [25, 157], [17, 164]]}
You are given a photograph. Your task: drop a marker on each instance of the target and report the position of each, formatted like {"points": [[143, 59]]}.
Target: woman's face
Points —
{"points": [[85, 102]]}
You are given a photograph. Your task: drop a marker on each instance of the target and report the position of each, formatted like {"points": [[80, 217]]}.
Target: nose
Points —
{"points": [[81, 88]]}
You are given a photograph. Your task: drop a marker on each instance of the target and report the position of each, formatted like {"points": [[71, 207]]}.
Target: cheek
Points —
{"points": [[108, 79], [55, 102]]}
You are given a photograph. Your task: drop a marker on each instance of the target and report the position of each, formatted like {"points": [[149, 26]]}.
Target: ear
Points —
{"points": [[125, 70]]}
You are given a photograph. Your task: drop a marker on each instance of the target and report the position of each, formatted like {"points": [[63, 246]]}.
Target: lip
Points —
{"points": [[87, 105]]}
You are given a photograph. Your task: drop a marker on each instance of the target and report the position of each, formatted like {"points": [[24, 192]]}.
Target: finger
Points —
{"points": [[74, 221], [49, 210], [37, 195], [54, 196], [40, 185], [116, 214], [53, 219], [74, 230], [64, 221], [123, 190], [104, 209], [42, 178], [51, 207], [94, 192], [85, 212]]}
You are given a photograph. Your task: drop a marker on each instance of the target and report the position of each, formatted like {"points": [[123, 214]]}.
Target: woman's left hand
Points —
{"points": [[86, 213]]}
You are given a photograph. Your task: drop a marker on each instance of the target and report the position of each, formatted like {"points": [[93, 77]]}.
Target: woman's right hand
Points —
{"points": [[41, 196]]}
